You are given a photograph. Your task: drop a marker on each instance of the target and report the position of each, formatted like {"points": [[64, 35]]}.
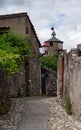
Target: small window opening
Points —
{"points": [[51, 43], [4, 30], [27, 30]]}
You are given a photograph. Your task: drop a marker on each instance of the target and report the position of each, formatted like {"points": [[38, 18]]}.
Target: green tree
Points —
{"points": [[13, 49], [49, 62]]}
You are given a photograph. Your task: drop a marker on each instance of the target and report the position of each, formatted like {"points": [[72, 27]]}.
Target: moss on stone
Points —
{"points": [[68, 106]]}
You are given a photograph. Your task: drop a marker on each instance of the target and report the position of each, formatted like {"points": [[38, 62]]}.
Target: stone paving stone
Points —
{"points": [[59, 120], [9, 121], [38, 114]]}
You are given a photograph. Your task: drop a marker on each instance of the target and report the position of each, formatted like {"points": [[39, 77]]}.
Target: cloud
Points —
{"points": [[2, 3], [21, 3], [65, 16]]}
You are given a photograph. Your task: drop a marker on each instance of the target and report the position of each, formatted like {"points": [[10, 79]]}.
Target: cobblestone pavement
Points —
{"points": [[9, 121], [38, 114], [58, 119]]}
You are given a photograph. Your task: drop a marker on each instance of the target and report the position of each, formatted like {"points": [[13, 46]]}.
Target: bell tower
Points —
{"points": [[53, 45]]}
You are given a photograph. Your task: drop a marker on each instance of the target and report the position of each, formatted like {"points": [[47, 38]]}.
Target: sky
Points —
{"points": [[63, 15]]}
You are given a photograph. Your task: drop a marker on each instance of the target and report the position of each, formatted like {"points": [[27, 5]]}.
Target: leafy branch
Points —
{"points": [[49, 62], [13, 49]]}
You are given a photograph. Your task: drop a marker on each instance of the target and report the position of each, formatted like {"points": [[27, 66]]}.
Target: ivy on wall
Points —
{"points": [[13, 49]]}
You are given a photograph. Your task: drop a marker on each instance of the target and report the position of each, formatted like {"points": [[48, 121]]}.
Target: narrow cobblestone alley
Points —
{"points": [[36, 113]]}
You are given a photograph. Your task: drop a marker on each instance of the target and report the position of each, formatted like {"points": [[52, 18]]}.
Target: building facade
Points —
{"points": [[53, 45], [21, 24], [49, 77], [28, 79]]}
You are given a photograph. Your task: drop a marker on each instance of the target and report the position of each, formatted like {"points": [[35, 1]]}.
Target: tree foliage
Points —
{"points": [[13, 49], [49, 62]]}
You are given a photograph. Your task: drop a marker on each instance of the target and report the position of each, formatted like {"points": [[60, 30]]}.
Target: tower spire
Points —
{"points": [[53, 33]]}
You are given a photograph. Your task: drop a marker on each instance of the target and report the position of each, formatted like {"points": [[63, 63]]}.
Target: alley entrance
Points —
{"points": [[48, 82]]}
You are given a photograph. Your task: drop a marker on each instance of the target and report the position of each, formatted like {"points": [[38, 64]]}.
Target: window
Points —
{"points": [[4, 30], [27, 30], [51, 43]]}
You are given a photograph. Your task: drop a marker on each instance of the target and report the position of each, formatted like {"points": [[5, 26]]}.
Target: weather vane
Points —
{"points": [[53, 33], [52, 28]]}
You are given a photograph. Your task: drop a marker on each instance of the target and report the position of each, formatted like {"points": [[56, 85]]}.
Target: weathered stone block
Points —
{"points": [[4, 93]]}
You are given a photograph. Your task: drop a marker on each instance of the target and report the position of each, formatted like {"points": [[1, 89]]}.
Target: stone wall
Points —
{"points": [[27, 81], [75, 87], [33, 77], [51, 83], [17, 83], [59, 75], [4, 93], [69, 82], [48, 82], [62, 74]]}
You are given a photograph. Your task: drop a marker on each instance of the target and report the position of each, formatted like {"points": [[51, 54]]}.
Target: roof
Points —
{"points": [[34, 30], [13, 15], [54, 39], [24, 14], [45, 44]]}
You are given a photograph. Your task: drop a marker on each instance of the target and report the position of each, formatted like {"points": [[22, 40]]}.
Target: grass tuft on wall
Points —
{"points": [[68, 106]]}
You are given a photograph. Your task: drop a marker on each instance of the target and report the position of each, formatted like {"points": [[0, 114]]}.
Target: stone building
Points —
{"points": [[21, 24], [53, 45], [27, 81], [49, 77], [69, 78]]}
